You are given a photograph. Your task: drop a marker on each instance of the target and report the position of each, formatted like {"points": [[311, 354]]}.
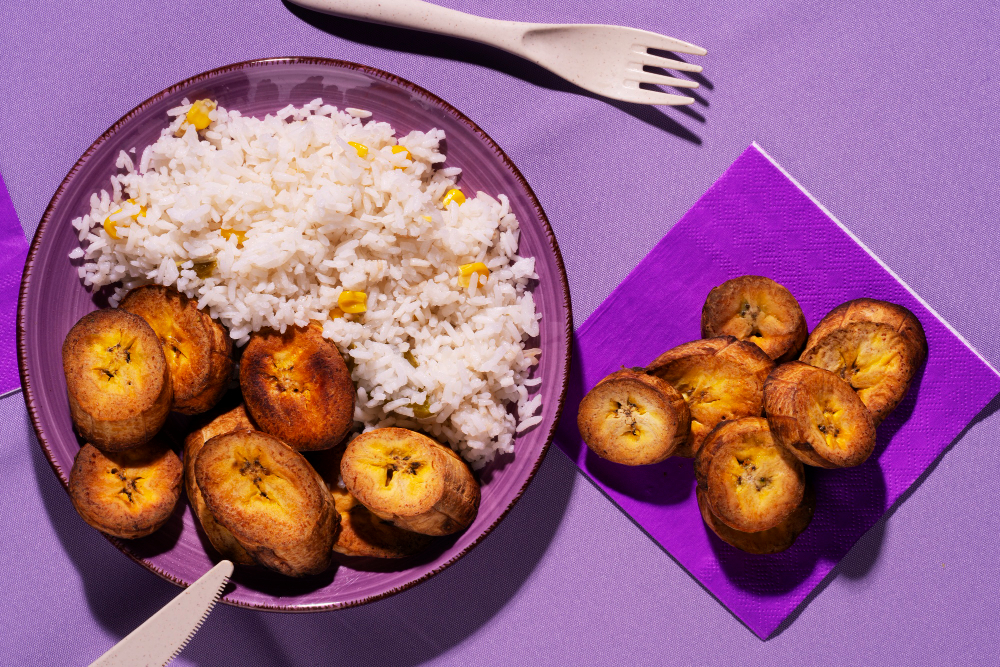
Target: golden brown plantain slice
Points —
{"points": [[770, 541], [719, 378], [220, 537], [197, 348], [899, 318], [127, 494], [759, 310], [411, 481], [751, 482], [362, 533], [117, 379], [817, 416], [873, 358], [297, 387], [633, 418], [272, 501]]}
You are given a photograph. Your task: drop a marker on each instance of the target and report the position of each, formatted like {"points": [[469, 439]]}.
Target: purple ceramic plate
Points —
{"points": [[53, 298]]}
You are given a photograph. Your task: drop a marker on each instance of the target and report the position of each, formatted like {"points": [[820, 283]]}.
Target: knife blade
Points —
{"points": [[165, 633]]}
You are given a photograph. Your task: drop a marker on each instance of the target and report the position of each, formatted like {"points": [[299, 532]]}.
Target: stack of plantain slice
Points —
{"points": [[756, 415], [125, 481], [362, 533], [126, 369], [258, 499]]}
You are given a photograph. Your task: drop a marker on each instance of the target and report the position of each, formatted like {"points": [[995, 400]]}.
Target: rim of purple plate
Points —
{"points": [[29, 395]]}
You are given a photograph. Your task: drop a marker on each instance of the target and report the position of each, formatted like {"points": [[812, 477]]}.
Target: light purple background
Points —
{"points": [[887, 115]]}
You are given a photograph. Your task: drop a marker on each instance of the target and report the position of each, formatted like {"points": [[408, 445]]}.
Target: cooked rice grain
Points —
{"points": [[319, 219]]}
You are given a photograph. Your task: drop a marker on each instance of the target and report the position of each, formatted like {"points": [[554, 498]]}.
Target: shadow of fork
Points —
{"points": [[474, 53]]}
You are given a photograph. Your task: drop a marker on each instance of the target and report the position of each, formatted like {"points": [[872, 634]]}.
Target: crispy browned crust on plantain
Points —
{"points": [[126, 494], [117, 379], [272, 501], [899, 318], [198, 350], [873, 358], [751, 482], [297, 387], [770, 541], [759, 310], [410, 480], [633, 418], [362, 534], [224, 541], [720, 378], [818, 416]]}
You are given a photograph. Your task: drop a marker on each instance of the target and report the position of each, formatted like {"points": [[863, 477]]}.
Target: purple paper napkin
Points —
{"points": [[13, 249], [756, 220]]}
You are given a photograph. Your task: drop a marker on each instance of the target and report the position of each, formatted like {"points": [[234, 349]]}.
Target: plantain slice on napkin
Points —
{"points": [[720, 378], [818, 416], [751, 483], [633, 418], [759, 310], [876, 346]]}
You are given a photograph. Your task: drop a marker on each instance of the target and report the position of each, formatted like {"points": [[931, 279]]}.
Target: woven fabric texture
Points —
{"points": [[886, 114]]}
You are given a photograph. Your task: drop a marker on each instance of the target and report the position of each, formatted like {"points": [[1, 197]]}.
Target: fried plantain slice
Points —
{"points": [[411, 481], [817, 416], [751, 482], [873, 358], [272, 501], [126, 494], [362, 533], [198, 350], [759, 310], [633, 418], [720, 378], [297, 387], [893, 315], [220, 537], [117, 379], [770, 541]]}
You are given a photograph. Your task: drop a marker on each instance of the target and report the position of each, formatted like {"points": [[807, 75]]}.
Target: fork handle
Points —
{"points": [[427, 17]]}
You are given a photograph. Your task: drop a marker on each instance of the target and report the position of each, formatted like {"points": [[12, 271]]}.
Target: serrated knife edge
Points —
{"points": [[164, 634]]}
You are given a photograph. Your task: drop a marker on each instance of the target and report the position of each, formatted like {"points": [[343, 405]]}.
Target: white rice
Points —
{"points": [[320, 220]]}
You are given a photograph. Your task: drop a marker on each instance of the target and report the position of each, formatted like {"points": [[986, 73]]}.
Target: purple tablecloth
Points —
{"points": [[888, 117]]}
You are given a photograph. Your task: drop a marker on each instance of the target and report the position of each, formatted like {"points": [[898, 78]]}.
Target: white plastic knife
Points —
{"points": [[165, 633]]}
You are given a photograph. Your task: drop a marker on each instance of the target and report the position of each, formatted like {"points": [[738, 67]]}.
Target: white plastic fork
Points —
{"points": [[605, 59]]}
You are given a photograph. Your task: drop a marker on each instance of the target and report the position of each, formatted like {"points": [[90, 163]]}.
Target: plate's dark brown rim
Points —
{"points": [[29, 397]]}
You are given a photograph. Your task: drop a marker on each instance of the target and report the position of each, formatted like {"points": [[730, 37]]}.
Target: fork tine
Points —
{"points": [[643, 96], [643, 76], [664, 43], [646, 58]]}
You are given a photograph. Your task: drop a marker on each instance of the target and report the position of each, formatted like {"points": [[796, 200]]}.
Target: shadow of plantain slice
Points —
{"points": [[865, 552], [849, 501], [666, 483]]}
